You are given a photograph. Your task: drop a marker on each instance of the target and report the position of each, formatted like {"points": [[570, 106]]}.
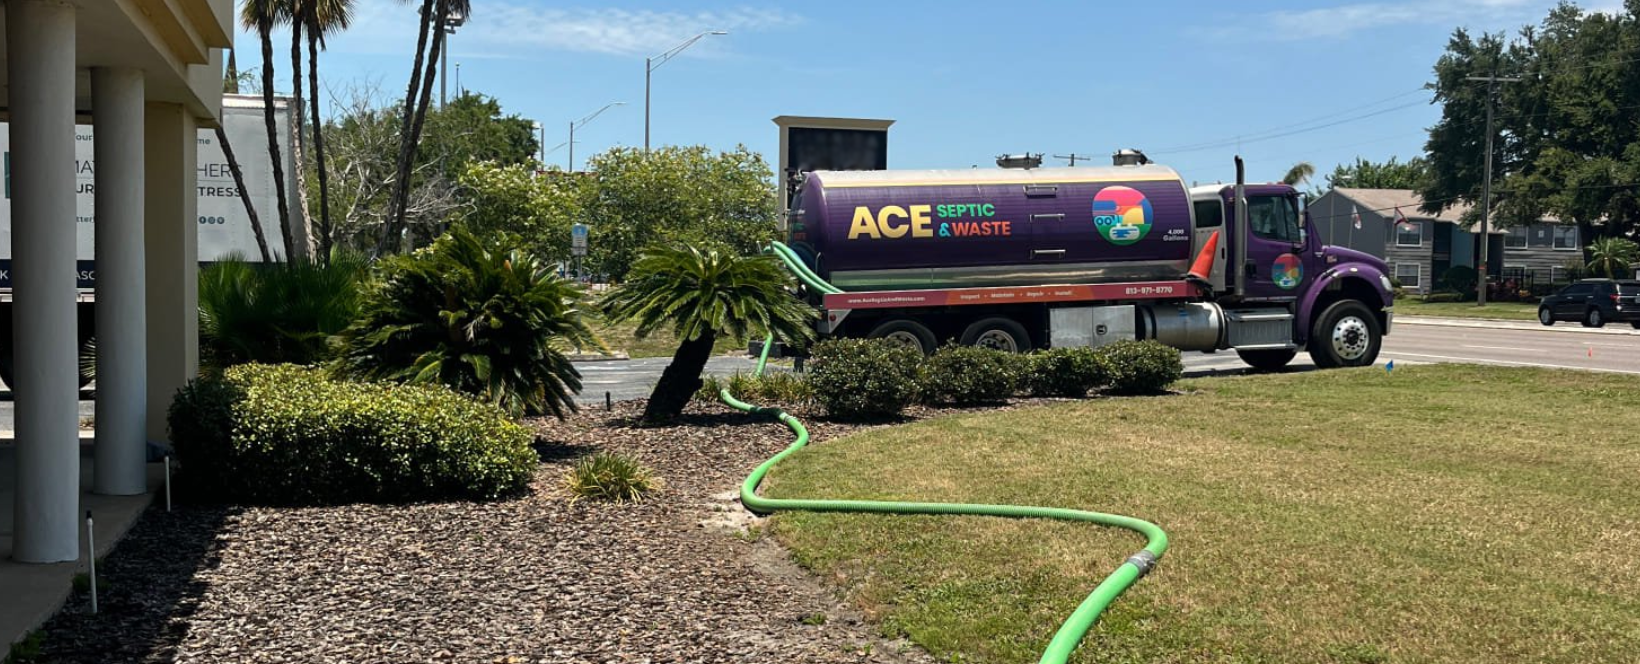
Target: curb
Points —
{"points": [[1494, 324], [598, 357]]}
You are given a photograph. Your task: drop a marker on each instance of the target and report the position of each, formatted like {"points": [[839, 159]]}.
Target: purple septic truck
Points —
{"points": [[1052, 257]]}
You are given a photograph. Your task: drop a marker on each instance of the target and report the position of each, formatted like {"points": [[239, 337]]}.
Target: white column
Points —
{"points": [[171, 234], [40, 62], [122, 321]]}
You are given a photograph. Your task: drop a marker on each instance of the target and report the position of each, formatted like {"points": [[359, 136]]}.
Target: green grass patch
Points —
{"points": [[620, 337], [1438, 513], [1408, 306]]}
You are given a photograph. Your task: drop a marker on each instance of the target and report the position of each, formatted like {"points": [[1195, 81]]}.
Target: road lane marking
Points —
{"points": [[1528, 350], [1477, 360]]}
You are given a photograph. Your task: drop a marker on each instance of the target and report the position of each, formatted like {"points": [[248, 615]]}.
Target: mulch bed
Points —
{"points": [[533, 579]]}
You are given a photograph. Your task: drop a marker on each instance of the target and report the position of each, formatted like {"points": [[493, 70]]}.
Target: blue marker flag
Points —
{"points": [[1389, 366]]}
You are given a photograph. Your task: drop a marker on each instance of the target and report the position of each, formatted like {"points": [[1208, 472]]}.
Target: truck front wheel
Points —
{"points": [[998, 334], [1267, 360], [1346, 334], [906, 332]]}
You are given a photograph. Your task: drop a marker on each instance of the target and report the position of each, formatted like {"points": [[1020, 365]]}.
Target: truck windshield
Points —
{"points": [[1273, 217]]}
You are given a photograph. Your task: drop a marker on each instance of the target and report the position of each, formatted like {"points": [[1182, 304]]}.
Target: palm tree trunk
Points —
{"points": [[298, 160], [319, 147], [244, 196], [273, 138], [430, 74], [681, 379], [407, 143]]}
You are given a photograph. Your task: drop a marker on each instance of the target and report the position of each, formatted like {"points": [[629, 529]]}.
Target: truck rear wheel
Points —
{"points": [[1346, 334], [998, 334], [1267, 360], [906, 332]]}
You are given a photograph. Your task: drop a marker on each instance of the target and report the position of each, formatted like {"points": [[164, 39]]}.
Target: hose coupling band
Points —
{"points": [[1144, 560]]}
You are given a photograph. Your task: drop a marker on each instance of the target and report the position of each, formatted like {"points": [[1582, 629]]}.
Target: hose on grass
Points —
{"points": [[1080, 621]]}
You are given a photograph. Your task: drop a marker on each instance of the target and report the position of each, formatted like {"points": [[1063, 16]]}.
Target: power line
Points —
{"points": [[1257, 135]]}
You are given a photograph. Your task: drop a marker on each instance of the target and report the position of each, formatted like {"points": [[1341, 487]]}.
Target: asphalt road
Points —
{"points": [[1615, 348]]}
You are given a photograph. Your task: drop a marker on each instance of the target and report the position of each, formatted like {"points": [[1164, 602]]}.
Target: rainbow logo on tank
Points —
{"points": [[1287, 271], [1122, 215]]}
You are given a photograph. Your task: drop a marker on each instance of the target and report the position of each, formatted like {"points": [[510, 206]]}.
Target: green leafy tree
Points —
{"points": [[512, 198], [1392, 174], [703, 294], [1566, 143], [1611, 257], [481, 316], [676, 196], [473, 128]]}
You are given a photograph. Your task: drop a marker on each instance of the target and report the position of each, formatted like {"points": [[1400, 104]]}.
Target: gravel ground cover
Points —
{"points": [[681, 577]]}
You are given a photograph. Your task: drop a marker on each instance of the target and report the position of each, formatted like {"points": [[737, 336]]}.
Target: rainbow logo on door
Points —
{"points": [[1121, 214], [1287, 271]]}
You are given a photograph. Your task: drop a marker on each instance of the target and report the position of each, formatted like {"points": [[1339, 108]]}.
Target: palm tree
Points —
{"points": [[434, 15], [481, 316], [230, 84], [704, 294], [1300, 172], [323, 17], [1612, 256], [262, 15], [294, 12]]}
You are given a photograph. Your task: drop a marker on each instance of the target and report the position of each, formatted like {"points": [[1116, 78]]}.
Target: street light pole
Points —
{"points": [[651, 64], [452, 21], [582, 122], [1486, 185]]}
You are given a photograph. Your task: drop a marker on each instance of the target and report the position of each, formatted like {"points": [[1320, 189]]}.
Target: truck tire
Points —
{"points": [[1346, 334], [906, 332], [1267, 360], [998, 334]]}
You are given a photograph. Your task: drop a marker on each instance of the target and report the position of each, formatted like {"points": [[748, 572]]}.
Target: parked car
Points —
{"points": [[1594, 302]]}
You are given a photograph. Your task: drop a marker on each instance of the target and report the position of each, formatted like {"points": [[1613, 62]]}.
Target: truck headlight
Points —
{"points": [[1385, 281]]}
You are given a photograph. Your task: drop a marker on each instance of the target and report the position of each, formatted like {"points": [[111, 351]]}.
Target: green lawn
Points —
{"points": [[1505, 310], [660, 344], [1434, 514]]}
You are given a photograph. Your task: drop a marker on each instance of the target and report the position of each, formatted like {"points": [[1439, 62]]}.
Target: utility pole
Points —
{"points": [[1486, 185], [1073, 157]]}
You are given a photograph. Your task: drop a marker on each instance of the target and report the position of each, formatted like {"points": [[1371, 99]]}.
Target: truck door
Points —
{"points": [[1210, 220], [1275, 248]]}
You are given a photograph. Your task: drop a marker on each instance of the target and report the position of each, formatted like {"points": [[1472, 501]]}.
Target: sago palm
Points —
{"points": [[478, 315], [703, 294], [1612, 256], [276, 312]]}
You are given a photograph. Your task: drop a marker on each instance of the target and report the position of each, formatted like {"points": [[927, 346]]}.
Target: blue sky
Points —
{"points": [[964, 81]]}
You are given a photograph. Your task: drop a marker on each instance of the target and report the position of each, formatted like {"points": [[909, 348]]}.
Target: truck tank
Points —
{"points": [[887, 230]]}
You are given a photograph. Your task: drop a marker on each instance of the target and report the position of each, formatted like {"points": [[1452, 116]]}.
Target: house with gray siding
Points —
{"points": [[1422, 249]]}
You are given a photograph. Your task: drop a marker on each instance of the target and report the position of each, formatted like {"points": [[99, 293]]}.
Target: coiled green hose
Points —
{"points": [[1086, 614]]}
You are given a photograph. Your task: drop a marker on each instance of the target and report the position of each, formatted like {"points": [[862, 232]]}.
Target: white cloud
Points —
{"points": [[1345, 19], [519, 28]]}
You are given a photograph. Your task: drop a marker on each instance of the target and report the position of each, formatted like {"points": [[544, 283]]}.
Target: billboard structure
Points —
{"points": [[827, 144]]}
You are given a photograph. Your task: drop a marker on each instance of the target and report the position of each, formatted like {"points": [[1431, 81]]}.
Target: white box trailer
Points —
{"points": [[224, 228]]}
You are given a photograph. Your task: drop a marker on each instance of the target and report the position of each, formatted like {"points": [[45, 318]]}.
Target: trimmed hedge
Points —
{"points": [[1141, 367], [1067, 372], [969, 375], [283, 434], [864, 378]]}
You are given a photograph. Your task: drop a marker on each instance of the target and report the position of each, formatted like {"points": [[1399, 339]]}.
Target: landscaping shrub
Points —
{"points": [[1460, 279], [1066, 372], [1141, 367], [1434, 298], [276, 312], [282, 434], [480, 316], [968, 375], [864, 378], [774, 386], [607, 476]]}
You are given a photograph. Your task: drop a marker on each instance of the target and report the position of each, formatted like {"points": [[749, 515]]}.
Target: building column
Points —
{"points": [[171, 250], [122, 327], [40, 62]]}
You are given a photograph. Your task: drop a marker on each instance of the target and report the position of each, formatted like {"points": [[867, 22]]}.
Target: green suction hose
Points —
{"points": [[1080, 621]]}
